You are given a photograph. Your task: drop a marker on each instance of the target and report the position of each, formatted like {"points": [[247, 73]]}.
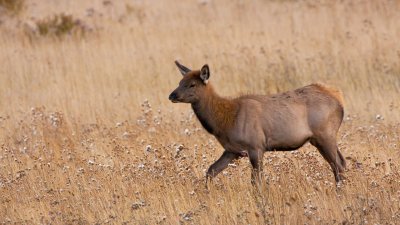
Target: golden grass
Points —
{"points": [[79, 143]]}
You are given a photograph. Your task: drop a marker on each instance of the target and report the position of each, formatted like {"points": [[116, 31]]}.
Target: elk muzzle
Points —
{"points": [[173, 97]]}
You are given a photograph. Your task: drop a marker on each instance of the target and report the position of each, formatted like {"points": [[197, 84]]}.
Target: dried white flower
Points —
{"points": [[148, 148]]}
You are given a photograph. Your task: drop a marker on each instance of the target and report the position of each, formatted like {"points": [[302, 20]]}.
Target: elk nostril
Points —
{"points": [[172, 96]]}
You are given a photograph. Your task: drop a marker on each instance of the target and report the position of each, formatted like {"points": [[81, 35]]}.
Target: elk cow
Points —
{"points": [[249, 125]]}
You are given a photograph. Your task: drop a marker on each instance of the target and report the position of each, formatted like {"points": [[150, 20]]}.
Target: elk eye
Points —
{"points": [[192, 85]]}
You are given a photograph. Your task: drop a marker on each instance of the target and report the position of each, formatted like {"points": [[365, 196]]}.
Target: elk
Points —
{"points": [[249, 125]]}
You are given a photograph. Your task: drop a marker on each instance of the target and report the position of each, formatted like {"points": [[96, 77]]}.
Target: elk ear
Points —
{"points": [[205, 73], [183, 69]]}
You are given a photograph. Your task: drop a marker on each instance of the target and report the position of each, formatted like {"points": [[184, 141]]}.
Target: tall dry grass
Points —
{"points": [[79, 143]]}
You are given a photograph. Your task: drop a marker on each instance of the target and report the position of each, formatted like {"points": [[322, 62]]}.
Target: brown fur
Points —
{"points": [[219, 111], [252, 124], [337, 94], [222, 110]]}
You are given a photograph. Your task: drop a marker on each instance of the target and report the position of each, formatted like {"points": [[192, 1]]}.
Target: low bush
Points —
{"points": [[59, 25], [12, 7]]}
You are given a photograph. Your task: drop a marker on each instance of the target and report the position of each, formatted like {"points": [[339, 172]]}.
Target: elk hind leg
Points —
{"points": [[329, 150], [342, 160]]}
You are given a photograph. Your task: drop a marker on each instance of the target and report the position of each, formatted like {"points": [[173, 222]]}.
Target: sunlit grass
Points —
{"points": [[81, 144]]}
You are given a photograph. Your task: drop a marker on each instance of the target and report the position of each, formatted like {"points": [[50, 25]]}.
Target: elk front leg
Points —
{"points": [[221, 164], [256, 158]]}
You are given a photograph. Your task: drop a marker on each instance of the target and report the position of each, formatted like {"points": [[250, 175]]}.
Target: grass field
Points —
{"points": [[88, 135]]}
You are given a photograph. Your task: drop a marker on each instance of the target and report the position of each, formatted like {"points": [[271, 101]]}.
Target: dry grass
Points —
{"points": [[80, 145]]}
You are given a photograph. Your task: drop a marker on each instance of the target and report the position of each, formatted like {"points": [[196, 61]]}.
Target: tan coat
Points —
{"points": [[252, 124]]}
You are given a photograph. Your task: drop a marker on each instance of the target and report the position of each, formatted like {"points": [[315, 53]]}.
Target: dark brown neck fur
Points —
{"points": [[215, 113]]}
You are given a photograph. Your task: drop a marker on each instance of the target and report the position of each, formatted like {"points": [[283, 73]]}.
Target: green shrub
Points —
{"points": [[59, 25], [13, 7]]}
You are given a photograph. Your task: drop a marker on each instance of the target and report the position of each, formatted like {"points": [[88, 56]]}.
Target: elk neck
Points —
{"points": [[215, 113]]}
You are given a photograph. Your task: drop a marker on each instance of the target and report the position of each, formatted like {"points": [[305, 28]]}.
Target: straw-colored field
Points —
{"points": [[88, 135]]}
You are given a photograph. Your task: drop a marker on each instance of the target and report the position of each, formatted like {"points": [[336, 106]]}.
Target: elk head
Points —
{"points": [[192, 85]]}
